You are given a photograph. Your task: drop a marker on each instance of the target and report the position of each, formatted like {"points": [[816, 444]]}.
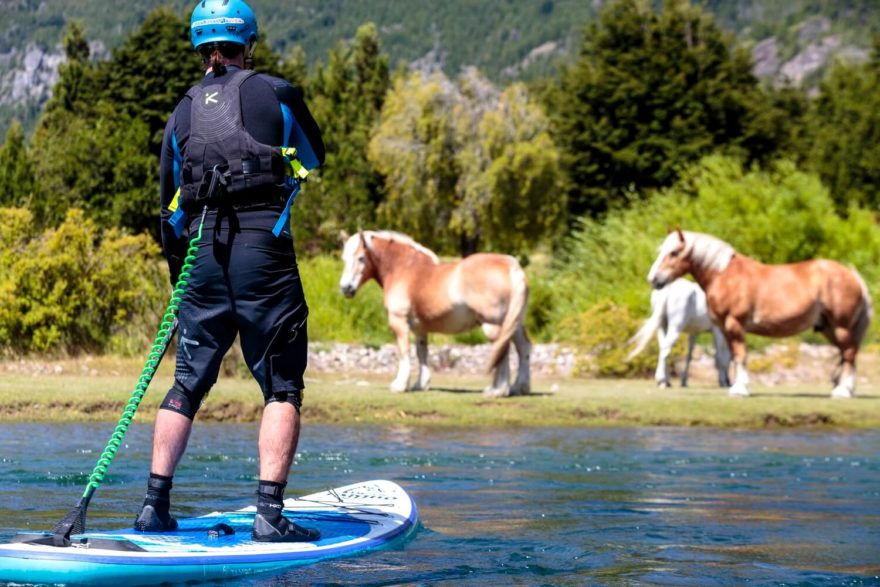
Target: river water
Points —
{"points": [[658, 506]]}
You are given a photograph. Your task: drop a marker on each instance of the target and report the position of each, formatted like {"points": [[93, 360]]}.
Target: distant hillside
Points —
{"points": [[507, 39]]}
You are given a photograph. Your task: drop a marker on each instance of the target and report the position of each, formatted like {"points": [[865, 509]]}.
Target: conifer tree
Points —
{"points": [[16, 169], [651, 92], [345, 97], [844, 133]]}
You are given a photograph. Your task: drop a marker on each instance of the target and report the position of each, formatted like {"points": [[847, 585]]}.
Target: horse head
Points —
{"points": [[359, 268], [672, 262]]}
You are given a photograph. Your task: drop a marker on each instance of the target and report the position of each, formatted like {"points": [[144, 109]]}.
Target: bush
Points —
{"points": [[775, 215], [332, 317], [601, 335], [73, 288]]}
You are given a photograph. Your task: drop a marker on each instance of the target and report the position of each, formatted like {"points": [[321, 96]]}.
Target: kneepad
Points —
{"points": [[293, 397], [183, 401]]}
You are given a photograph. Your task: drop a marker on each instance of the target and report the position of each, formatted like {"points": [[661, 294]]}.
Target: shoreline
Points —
{"points": [[454, 401]]}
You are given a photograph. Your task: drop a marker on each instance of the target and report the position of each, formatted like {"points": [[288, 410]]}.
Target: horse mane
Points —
{"points": [[704, 250], [397, 237]]}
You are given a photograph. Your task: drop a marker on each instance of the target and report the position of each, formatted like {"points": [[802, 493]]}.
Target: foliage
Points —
{"points": [[776, 215], [332, 317], [650, 92], [600, 334], [150, 72], [71, 288], [466, 167], [16, 169], [844, 123], [101, 164], [347, 96]]}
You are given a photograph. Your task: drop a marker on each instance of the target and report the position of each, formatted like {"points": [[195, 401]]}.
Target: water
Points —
{"points": [[516, 507]]}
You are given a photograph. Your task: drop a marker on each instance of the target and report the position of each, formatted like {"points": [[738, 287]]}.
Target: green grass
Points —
{"points": [[354, 399]]}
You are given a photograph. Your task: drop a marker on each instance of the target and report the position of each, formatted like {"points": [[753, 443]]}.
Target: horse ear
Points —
{"points": [[343, 236], [363, 239], [680, 235]]}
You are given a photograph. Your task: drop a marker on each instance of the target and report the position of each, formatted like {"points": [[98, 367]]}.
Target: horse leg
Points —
{"points": [[400, 327], [501, 375], [736, 338], [523, 383], [845, 385], [692, 340], [666, 340], [424, 379], [722, 357]]}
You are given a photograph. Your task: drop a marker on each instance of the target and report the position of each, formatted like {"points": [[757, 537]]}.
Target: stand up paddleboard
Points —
{"points": [[354, 519]]}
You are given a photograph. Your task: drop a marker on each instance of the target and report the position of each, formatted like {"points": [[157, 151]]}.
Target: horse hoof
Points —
{"points": [[521, 390], [841, 392], [738, 391], [663, 385], [497, 392], [396, 388]]}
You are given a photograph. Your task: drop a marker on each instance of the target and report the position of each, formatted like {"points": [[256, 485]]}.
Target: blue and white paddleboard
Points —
{"points": [[353, 520]]}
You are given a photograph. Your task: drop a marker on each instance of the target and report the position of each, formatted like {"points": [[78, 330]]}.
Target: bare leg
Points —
{"points": [[400, 327], [523, 383], [279, 436], [424, 378], [170, 436], [692, 340]]}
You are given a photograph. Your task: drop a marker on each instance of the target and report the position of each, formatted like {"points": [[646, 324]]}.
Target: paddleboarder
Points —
{"points": [[238, 144]]}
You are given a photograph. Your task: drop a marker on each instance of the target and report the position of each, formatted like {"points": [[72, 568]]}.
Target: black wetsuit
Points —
{"points": [[245, 279]]}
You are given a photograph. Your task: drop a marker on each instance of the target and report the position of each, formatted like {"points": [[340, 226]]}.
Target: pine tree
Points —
{"points": [[346, 97], [151, 72], [844, 133], [651, 92], [16, 169]]}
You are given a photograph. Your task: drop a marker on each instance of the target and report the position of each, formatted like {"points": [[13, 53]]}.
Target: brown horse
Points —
{"points": [[423, 295], [771, 300]]}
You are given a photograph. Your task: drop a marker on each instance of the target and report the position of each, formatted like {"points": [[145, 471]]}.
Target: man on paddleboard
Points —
{"points": [[234, 152]]}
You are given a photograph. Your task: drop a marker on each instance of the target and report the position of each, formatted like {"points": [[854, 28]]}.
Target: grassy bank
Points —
{"points": [[98, 393]]}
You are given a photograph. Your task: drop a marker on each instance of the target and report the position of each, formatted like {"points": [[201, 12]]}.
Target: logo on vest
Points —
{"points": [[211, 98]]}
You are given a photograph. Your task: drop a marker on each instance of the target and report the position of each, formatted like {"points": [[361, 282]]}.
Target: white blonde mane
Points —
{"points": [[397, 237], [703, 249]]}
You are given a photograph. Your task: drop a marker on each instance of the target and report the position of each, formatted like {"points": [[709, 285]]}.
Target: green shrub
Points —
{"points": [[775, 215], [600, 335], [73, 288], [333, 317]]}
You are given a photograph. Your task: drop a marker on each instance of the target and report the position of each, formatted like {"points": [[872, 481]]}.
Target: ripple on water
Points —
{"points": [[528, 506]]}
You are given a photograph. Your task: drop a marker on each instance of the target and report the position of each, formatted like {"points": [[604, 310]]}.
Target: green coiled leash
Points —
{"points": [[75, 521]]}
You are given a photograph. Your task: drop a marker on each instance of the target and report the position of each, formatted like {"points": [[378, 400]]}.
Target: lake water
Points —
{"points": [[515, 507]]}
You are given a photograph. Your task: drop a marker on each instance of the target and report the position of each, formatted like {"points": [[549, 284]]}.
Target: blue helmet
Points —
{"points": [[223, 21]]}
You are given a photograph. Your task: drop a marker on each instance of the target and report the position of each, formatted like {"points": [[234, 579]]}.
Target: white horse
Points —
{"points": [[681, 307]]}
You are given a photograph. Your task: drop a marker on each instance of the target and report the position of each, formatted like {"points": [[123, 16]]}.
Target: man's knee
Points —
{"points": [[183, 401], [293, 397]]}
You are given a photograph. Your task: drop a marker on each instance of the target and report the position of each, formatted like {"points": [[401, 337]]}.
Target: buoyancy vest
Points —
{"points": [[219, 141]]}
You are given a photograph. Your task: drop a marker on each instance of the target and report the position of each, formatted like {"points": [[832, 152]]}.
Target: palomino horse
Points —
{"points": [[680, 307], [423, 295], [771, 300]]}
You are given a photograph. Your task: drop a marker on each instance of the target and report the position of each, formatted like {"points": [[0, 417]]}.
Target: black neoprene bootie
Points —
{"points": [[270, 525], [154, 515]]}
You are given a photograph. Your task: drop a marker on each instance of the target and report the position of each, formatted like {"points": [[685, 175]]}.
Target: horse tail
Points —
{"points": [[646, 332], [866, 312], [516, 313]]}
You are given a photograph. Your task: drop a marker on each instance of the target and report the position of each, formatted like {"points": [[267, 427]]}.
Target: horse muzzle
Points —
{"points": [[348, 290]]}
